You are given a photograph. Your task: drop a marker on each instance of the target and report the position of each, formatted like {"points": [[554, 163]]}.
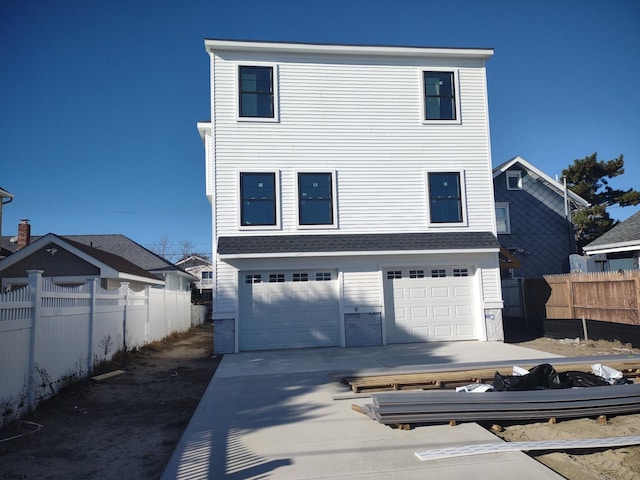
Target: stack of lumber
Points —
{"points": [[421, 407], [452, 375]]}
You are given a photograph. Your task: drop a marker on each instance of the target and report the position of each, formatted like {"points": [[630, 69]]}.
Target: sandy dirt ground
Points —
{"points": [[128, 426], [613, 464], [123, 427]]}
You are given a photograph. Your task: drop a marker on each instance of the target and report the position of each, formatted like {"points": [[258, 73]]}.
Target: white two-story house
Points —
{"points": [[352, 195]]}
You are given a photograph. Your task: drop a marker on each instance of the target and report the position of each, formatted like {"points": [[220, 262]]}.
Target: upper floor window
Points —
{"points": [[446, 197], [503, 223], [316, 198], [514, 180], [258, 199], [257, 93], [207, 275], [439, 96]]}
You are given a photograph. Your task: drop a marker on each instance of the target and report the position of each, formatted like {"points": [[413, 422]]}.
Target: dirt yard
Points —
{"points": [[613, 464], [128, 426], [123, 427]]}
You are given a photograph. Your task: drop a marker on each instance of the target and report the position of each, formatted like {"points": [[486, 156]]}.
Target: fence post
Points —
{"points": [[636, 284], [125, 289], [35, 291], [572, 307], [147, 291], [92, 315]]}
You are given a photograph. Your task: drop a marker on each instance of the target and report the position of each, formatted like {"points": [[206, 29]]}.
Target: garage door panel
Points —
{"points": [[443, 331], [423, 307], [288, 313], [417, 293]]}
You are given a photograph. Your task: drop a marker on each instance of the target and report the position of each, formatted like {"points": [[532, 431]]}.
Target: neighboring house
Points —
{"points": [[619, 248], [351, 195], [202, 269], [533, 216], [172, 277], [67, 262]]}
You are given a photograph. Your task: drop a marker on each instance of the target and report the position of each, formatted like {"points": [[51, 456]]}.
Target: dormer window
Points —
{"points": [[514, 180]]}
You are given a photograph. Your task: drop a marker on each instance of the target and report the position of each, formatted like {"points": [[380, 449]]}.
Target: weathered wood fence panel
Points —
{"points": [[51, 334], [604, 296]]}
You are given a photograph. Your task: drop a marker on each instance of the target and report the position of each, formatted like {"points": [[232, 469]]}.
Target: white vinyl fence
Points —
{"points": [[51, 335]]}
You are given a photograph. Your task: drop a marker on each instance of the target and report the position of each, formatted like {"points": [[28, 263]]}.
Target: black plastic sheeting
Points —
{"points": [[544, 376]]}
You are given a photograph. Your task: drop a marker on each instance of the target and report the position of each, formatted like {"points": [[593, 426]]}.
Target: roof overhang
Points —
{"points": [[214, 45], [343, 245], [630, 246]]}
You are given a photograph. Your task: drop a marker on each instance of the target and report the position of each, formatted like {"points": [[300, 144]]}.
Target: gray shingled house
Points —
{"points": [[620, 246], [533, 218]]}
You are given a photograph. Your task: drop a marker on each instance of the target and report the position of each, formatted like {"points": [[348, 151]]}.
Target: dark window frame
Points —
{"points": [[257, 94], [244, 197], [442, 99], [434, 198], [303, 200]]}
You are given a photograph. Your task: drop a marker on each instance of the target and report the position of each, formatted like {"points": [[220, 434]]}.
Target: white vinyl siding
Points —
{"points": [[365, 122]]}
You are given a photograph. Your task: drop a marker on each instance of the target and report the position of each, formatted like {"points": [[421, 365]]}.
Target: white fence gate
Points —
{"points": [[51, 334]]}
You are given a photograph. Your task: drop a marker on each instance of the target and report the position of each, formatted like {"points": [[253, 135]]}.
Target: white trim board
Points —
{"points": [[482, 448]]}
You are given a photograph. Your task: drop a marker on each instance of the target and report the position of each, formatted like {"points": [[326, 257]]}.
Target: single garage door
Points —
{"points": [[429, 303], [288, 309]]}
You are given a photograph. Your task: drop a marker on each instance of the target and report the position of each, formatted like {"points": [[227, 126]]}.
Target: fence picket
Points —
{"points": [[72, 328]]}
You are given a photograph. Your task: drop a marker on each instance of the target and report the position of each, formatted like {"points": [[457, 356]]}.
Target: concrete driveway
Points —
{"points": [[271, 414]]}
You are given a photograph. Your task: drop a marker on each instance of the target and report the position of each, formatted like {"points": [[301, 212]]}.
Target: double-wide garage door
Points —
{"points": [[288, 309], [429, 303]]}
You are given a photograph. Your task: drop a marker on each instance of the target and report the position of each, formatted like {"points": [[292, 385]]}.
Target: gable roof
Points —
{"points": [[193, 261], [355, 244], [623, 237], [124, 247], [550, 182], [110, 265]]}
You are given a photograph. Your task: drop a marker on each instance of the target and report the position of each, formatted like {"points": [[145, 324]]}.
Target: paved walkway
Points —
{"points": [[271, 414]]}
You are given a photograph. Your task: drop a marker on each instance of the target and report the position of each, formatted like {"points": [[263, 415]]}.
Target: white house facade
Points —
{"points": [[352, 198]]}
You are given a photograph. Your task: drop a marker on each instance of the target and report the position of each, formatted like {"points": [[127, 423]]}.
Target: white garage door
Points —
{"points": [[429, 303], [288, 309]]}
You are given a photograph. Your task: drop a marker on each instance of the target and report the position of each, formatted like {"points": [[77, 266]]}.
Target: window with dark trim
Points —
{"points": [[392, 274], [439, 96], [257, 199], [445, 197], [276, 277], [256, 92], [315, 198], [460, 272]]}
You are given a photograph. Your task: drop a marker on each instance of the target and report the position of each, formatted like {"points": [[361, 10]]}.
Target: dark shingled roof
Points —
{"points": [[366, 242], [114, 261], [627, 231]]}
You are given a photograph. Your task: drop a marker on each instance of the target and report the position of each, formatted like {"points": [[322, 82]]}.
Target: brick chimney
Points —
{"points": [[24, 233]]}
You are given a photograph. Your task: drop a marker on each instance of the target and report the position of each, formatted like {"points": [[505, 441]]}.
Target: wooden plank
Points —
{"points": [[105, 376]]}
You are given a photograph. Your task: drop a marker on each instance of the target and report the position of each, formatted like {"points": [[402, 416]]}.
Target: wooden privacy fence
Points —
{"points": [[50, 334], [605, 296]]}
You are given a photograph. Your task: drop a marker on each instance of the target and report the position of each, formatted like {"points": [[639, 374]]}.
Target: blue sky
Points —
{"points": [[99, 99]]}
